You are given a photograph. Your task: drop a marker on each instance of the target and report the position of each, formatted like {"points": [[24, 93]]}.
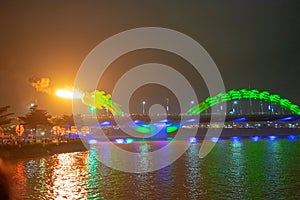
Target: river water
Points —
{"points": [[232, 170]]}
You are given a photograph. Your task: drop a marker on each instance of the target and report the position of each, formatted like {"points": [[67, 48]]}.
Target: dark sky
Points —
{"points": [[253, 43]]}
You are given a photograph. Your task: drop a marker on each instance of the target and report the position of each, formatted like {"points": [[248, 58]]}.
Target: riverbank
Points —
{"points": [[15, 151]]}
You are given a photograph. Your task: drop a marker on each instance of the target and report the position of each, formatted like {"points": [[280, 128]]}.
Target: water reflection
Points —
{"points": [[233, 170], [273, 179], [236, 178], [94, 174], [20, 180], [143, 162], [67, 177], [31, 168], [194, 177]]}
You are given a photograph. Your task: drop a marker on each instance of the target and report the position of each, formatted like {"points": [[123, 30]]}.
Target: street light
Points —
{"points": [[143, 102], [192, 102], [236, 107], [167, 106], [93, 111]]}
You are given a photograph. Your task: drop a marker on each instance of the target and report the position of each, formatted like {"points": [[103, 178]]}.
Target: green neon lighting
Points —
{"points": [[100, 100], [92, 109], [129, 140], [171, 129], [150, 128], [142, 129], [244, 94]]}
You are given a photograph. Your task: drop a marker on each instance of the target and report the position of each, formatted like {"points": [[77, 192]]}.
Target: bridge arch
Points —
{"points": [[245, 94]]}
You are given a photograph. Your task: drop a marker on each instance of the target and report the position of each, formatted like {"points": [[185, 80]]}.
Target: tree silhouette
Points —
{"points": [[65, 121], [5, 117], [37, 118]]}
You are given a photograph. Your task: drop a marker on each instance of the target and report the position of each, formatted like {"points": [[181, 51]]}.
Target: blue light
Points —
{"points": [[74, 136], [292, 137], [239, 120], [193, 140], [145, 125], [138, 121], [272, 138], [235, 139], [191, 120], [171, 124], [214, 139], [119, 141], [93, 141], [106, 123], [165, 121], [285, 119], [255, 138]]}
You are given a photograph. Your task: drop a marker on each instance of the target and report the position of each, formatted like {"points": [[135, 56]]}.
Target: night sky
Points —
{"points": [[254, 43]]}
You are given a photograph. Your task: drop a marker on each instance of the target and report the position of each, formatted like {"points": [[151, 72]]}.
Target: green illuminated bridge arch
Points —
{"points": [[245, 94]]}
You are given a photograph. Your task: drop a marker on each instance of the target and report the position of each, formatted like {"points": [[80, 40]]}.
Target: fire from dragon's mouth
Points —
{"points": [[69, 94]]}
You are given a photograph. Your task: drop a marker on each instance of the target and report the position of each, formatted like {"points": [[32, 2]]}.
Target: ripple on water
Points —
{"points": [[242, 170]]}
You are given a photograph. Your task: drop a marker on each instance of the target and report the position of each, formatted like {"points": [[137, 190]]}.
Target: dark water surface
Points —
{"points": [[232, 170]]}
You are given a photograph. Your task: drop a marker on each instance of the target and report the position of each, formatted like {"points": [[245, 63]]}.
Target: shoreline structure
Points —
{"points": [[35, 148]]}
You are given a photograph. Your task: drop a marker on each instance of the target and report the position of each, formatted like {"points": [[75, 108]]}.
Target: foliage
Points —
{"points": [[67, 121], [37, 118], [5, 117], [63, 121]]}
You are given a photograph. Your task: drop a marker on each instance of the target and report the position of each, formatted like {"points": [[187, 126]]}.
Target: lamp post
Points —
{"points": [[167, 106], [93, 111], [192, 102], [235, 107], [143, 104], [261, 107]]}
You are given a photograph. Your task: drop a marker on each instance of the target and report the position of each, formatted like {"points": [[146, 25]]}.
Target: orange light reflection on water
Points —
{"points": [[19, 178], [67, 181]]}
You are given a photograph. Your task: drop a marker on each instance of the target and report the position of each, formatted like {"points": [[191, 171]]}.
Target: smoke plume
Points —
{"points": [[40, 84]]}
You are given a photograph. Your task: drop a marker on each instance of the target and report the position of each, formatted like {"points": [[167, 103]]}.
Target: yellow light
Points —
{"points": [[69, 94]]}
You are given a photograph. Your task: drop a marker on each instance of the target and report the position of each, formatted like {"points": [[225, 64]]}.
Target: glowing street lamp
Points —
{"points": [[93, 111], [167, 105], [192, 102], [143, 103], [236, 107]]}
